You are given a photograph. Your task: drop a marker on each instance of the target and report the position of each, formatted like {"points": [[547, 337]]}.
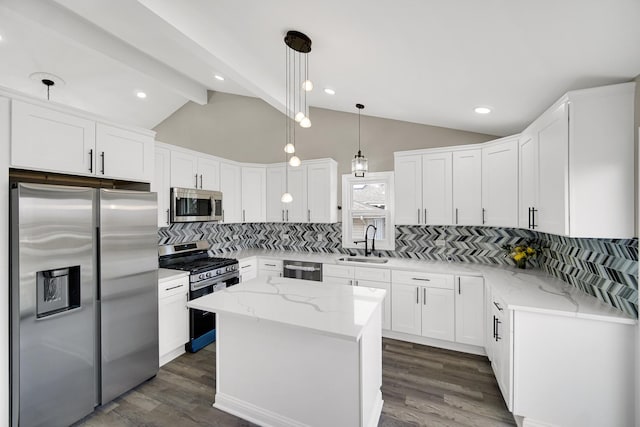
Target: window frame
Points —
{"points": [[389, 243]]}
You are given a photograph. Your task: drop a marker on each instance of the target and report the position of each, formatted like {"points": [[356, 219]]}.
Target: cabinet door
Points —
{"points": [[437, 190], [49, 140], [209, 174], [469, 312], [467, 187], [184, 170], [406, 311], [408, 190], [275, 190], [161, 184], [231, 188], [386, 304], [552, 134], [297, 210], [173, 325], [527, 178], [254, 207], [322, 192], [437, 313], [123, 154], [500, 184]]}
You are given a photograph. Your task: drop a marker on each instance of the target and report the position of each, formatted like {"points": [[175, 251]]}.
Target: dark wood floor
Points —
{"points": [[421, 386]]}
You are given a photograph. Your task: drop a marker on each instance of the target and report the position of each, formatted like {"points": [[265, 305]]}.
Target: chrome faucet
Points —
{"points": [[368, 252]]}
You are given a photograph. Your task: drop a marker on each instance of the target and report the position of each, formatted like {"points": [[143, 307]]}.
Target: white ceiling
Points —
{"points": [[422, 61]]}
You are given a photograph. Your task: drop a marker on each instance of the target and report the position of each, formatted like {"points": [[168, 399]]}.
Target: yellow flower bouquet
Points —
{"points": [[522, 253]]}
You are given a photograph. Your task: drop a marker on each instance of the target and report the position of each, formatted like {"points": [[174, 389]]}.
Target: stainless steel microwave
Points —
{"points": [[190, 205]]}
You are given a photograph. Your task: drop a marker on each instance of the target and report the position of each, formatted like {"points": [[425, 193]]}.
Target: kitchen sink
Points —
{"points": [[364, 260]]}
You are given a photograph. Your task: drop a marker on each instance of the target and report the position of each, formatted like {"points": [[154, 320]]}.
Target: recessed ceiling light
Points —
{"points": [[329, 91], [141, 94], [218, 77], [482, 110]]}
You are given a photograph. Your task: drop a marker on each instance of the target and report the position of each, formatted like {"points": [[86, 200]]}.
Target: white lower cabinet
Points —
{"points": [[469, 298], [378, 278], [173, 318], [502, 351], [423, 304], [269, 267], [248, 269]]}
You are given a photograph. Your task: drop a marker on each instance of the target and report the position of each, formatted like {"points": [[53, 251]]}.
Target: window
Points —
{"points": [[368, 201]]}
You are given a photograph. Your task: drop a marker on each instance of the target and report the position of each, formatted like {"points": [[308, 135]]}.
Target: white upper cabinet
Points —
{"points": [[437, 189], [161, 184], [275, 190], [527, 179], [46, 139], [184, 170], [194, 170], [297, 210], [467, 187], [254, 187], [51, 140], [581, 157], [322, 190], [209, 174], [123, 154], [500, 183], [408, 189], [231, 188]]}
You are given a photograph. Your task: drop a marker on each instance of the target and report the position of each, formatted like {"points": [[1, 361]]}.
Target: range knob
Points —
{"points": [[209, 274], [201, 276]]}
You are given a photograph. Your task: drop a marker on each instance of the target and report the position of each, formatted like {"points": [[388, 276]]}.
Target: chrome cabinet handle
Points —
{"points": [[498, 322], [287, 215], [173, 287], [246, 266], [270, 265], [201, 181], [497, 306], [102, 157], [494, 327], [533, 218], [424, 296], [282, 215], [425, 215], [459, 290], [350, 282], [483, 210], [222, 215], [422, 279], [418, 216], [356, 283], [456, 215], [91, 160], [243, 215], [417, 295], [168, 217], [196, 180], [308, 215]]}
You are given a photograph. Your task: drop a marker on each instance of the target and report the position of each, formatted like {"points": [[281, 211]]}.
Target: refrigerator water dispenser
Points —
{"points": [[57, 290]]}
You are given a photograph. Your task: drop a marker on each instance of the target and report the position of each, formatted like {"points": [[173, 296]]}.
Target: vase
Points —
{"points": [[521, 263]]}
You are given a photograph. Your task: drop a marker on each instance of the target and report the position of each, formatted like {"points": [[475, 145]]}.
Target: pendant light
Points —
{"points": [[359, 164]]}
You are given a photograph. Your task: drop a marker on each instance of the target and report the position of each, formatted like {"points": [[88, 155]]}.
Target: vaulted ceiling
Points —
{"points": [[423, 61]]}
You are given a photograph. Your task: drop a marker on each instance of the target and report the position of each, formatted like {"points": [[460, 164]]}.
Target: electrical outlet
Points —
{"points": [[441, 242], [320, 237]]}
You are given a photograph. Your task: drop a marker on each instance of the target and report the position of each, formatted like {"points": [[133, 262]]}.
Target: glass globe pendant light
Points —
{"points": [[359, 163]]}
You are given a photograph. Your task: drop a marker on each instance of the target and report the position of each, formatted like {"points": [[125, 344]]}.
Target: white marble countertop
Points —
{"points": [[330, 309], [530, 290], [165, 274]]}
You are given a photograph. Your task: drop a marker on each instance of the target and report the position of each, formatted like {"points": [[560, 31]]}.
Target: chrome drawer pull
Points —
{"points": [[421, 279]]}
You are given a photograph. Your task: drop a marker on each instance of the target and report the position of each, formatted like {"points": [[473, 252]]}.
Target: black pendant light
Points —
{"points": [[359, 164]]}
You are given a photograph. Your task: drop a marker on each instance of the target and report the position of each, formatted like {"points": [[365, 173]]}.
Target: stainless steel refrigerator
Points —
{"points": [[84, 299]]}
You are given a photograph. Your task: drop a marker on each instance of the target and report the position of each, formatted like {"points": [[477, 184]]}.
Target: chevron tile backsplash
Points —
{"points": [[604, 268]]}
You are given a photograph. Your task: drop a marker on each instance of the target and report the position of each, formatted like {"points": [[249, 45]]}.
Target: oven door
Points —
{"points": [[190, 205]]}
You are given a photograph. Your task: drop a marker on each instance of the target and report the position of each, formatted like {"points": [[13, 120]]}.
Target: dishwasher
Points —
{"points": [[302, 270]]}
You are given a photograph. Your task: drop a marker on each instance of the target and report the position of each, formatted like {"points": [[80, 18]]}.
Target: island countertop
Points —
{"points": [[326, 308]]}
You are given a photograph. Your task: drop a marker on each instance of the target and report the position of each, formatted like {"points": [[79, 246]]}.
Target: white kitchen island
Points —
{"points": [[298, 353]]}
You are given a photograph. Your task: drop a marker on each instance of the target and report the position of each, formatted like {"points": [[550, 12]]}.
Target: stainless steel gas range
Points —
{"points": [[206, 275]]}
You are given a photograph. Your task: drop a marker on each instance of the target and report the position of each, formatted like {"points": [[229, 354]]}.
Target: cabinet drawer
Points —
{"points": [[173, 287], [270, 264], [247, 264], [421, 278], [343, 271], [374, 274]]}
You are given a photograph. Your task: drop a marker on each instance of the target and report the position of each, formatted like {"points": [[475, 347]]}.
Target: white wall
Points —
{"points": [[4, 260]]}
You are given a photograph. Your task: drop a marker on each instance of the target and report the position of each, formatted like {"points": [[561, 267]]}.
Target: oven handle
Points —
{"points": [[300, 268], [213, 281]]}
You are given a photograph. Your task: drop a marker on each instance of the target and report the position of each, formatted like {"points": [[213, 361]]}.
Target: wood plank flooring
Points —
{"points": [[421, 386]]}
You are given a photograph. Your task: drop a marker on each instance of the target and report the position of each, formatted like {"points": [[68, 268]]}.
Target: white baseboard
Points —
{"points": [[464, 348], [252, 413], [528, 422], [168, 357]]}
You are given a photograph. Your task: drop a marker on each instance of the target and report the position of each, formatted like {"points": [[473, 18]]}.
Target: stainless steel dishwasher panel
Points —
{"points": [[302, 270]]}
